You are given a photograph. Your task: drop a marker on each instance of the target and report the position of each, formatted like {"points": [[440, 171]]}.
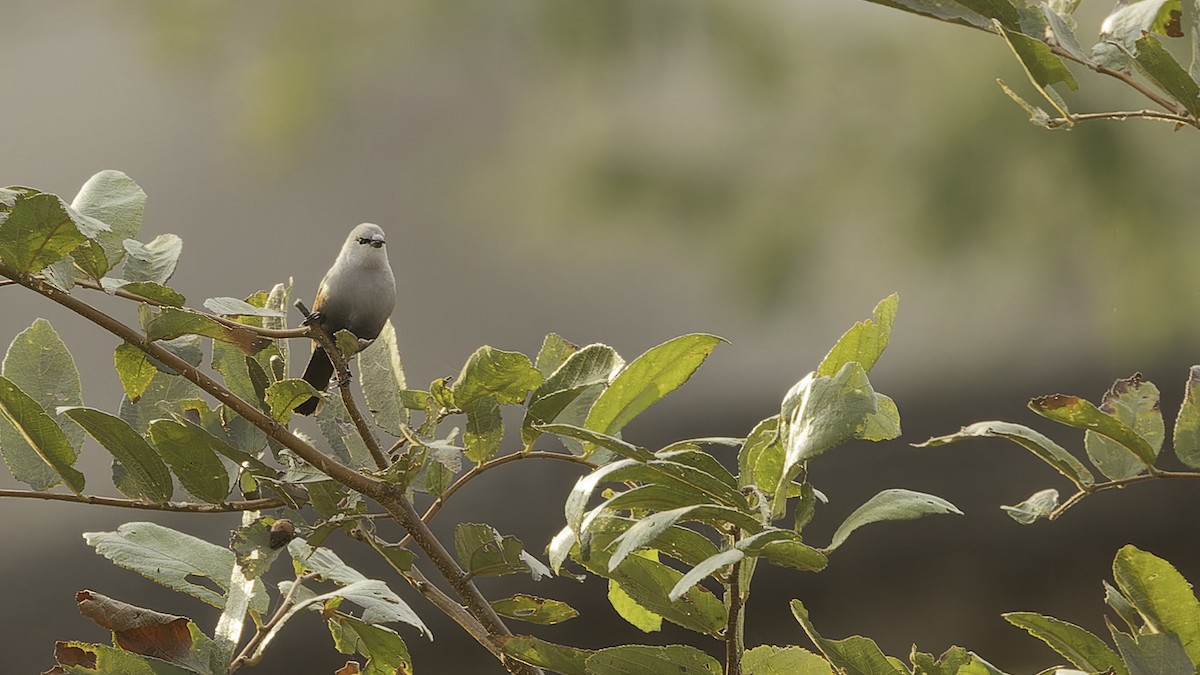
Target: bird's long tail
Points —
{"points": [[318, 372]]}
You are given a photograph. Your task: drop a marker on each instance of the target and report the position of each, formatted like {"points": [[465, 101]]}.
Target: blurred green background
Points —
{"points": [[625, 172]]}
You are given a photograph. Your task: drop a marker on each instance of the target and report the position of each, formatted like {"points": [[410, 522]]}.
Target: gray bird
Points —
{"points": [[357, 294]]}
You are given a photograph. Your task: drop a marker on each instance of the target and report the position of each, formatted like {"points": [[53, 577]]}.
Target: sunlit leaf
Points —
{"points": [[173, 559], [154, 261], [1045, 449], [383, 382], [116, 200], [772, 660], [537, 652], [865, 341], [507, 376], [893, 504], [855, 655], [531, 609], [1039, 505], [1187, 424], [1083, 649], [1160, 593], [38, 232], [1082, 414], [648, 660], [35, 448], [647, 379]]}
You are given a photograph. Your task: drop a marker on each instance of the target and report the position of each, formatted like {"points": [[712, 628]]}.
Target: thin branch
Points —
{"points": [[1121, 116], [243, 658], [734, 639], [1118, 483], [1130, 80], [342, 368], [324, 463], [389, 496], [178, 507], [491, 464]]}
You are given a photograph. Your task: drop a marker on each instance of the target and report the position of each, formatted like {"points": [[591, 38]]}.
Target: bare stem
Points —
{"points": [[491, 464], [1121, 116], [179, 507], [1130, 80], [284, 606], [1118, 483]]}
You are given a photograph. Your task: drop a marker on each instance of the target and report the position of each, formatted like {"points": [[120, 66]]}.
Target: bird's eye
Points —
{"points": [[364, 240]]}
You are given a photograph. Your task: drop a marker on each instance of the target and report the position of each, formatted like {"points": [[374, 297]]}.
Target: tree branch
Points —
{"points": [[1130, 80], [178, 507], [1118, 483]]}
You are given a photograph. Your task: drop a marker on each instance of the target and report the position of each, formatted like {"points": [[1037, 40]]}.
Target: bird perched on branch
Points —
{"points": [[357, 294]]}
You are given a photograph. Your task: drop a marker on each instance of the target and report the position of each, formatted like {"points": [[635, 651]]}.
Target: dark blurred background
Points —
{"points": [[625, 172]]}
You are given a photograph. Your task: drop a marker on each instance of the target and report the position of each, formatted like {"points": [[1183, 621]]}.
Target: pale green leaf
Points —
{"points": [[1160, 593], [116, 200], [892, 504], [38, 232], [35, 448], [648, 660], [1077, 412], [865, 341], [385, 650], [537, 652], [508, 376], [154, 261], [192, 459], [532, 609], [173, 559], [1187, 424], [383, 382], [1045, 449], [1039, 505], [772, 660]]}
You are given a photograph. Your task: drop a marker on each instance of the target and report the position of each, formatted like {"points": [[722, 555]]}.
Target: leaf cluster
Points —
{"points": [[1129, 47]]}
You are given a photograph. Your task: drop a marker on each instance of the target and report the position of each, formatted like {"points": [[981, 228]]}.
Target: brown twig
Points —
{"points": [[734, 638], [389, 496], [285, 605], [1118, 483], [178, 507], [491, 464], [1129, 79], [342, 367]]}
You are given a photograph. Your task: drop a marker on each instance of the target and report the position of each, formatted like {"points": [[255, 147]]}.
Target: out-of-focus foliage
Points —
{"points": [[765, 140]]}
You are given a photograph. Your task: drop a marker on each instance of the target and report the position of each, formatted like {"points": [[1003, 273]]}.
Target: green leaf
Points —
{"points": [[35, 448], [583, 370], [38, 232], [618, 446], [949, 11], [649, 583], [784, 548], [385, 650], [855, 655], [1161, 595], [865, 341], [116, 200], [146, 476], [1131, 19], [818, 414], [383, 381], [235, 307], [1042, 65], [531, 609], [484, 553], [772, 660], [485, 429], [173, 559], [706, 567], [1134, 402], [884, 424], [154, 261], [760, 460], [893, 504], [1083, 649], [134, 369], [283, 396], [1153, 653], [81, 658], [1045, 449], [1165, 72], [252, 547], [508, 376], [1187, 424], [645, 532], [379, 603], [537, 652], [1076, 412], [647, 660], [627, 608], [190, 455], [40, 365], [171, 323], [647, 379], [1039, 505], [554, 352]]}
